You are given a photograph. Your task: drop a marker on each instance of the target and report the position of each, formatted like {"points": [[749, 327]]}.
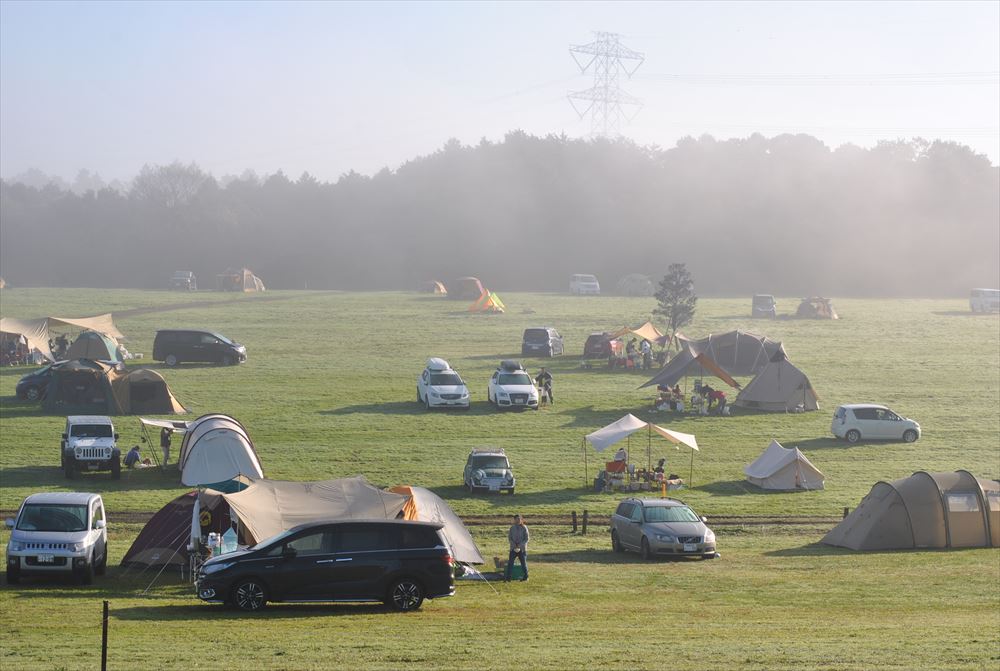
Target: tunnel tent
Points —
{"points": [[466, 288], [426, 506], [93, 345], [816, 307], [215, 449], [268, 507], [165, 540], [925, 510], [779, 387], [783, 469], [433, 287]]}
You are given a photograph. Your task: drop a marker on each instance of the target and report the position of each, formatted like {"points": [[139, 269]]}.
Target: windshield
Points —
{"points": [[669, 514], [585, 278], [271, 541], [53, 517], [490, 462], [446, 379], [224, 339], [536, 335], [514, 378], [91, 431]]}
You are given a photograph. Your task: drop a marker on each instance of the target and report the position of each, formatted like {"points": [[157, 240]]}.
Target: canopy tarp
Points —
{"points": [[647, 332], [426, 506], [268, 507], [36, 331], [623, 428], [177, 426], [781, 468]]}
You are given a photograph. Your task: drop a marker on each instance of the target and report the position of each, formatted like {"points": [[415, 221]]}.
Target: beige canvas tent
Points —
{"points": [[727, 355], [37, 331], [816, 307], [434, 287], [780, 387], [925, 510], [93, 345], [781, 468], [86, 387], [238, 280], [426, 506]]}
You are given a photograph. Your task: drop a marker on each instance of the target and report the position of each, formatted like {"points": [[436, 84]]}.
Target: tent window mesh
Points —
{"points": [[994, 500], [963, 503]]}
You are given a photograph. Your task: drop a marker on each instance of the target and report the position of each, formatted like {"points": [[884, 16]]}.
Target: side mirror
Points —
{"points": [[704, 519], [116, 436], [65, 436], [9, 522], [100, 524]]}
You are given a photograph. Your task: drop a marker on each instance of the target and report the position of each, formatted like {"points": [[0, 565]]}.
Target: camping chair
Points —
{"points": [[615, 478]]}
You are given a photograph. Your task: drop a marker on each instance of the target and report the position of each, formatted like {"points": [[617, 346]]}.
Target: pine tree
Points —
{"points": [[676, 298]]}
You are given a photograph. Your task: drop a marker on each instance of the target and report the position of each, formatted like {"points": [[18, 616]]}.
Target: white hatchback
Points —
{"points": [[441, 387], [512, 387], [868, 421]]}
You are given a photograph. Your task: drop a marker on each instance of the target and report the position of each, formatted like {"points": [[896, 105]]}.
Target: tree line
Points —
{"points": [[785, 215]]}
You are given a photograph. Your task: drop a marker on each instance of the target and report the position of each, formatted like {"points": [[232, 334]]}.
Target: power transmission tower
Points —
{"points": [[605, 100]]}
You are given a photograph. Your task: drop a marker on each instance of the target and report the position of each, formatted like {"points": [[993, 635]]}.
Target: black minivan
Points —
{"points": [[397, 562], [542, 341], [173, 346]]}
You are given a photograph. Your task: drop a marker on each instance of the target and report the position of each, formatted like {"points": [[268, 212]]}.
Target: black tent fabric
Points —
{"points": [[81, 387], [165, 538]]}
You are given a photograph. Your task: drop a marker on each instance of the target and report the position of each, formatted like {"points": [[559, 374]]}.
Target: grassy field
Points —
{"points": [[329, 389]]}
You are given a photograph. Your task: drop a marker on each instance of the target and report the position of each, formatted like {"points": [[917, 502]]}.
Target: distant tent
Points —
{"points": [[489, 302], [238, 280], [434, 287], [735, 354], [216, 448], [635, 285], [780, 387], [647, 332], [268, 507], [165, 538], [466, 288], [925, 510], [93, 345], [780, 468], [426, 506], [87, 387], [816, 307]]}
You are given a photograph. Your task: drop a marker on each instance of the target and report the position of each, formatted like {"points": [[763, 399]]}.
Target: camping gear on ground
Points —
{"points": [[925, 510], [779, 387], [216, 448], [87, 387], [624, 428], [784, 469]]}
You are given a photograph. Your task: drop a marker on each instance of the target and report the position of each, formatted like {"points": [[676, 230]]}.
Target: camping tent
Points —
{"points": [[780, 387], [647, 332], [216, 448], [36, 331], [165, 538], [467, 288], [623, 428], [489, 302], [816, 307], [635, 285], [925, 510], [735, 353], [434, 287], [268, 507], [87, 387], [426, 506], [93, 345], [780, 468], [238, 280]]}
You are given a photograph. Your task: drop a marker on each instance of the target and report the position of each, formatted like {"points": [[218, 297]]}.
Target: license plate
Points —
{"points": [[494, 488], [92, 467], [518, 402], [46, 559], [690, 547]]}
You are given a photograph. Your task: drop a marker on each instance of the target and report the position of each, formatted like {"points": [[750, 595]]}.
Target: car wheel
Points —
{"points": [[86, 575], [102, 566], [616, 545], [116, 469], [249, 595], [69, 468], [227, 360], [853, 436], [171, 360], [427, 402], [644, 549], [13, 575], [909, 436], [511, 491], [405, 594], [32, 394]]}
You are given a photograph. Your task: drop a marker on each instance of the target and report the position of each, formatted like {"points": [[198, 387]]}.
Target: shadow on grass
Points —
{"points": [[518, 500], [820, 550], [823, 443], [737, 488], [37, 477], [408, 408], [607, 556], [199, 611], [960, 313]]}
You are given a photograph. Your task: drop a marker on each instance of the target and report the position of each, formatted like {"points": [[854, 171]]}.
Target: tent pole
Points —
{"points": [[649, 447], [691, 476], [586, 469]]}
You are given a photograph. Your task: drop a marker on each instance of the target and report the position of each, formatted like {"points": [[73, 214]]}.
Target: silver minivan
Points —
{"points": [[660, 527]]}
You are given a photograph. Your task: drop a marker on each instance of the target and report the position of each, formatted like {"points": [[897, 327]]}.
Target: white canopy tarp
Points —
{"points": [[173, 425], [629, 424], [781, 468], [268, 507]]}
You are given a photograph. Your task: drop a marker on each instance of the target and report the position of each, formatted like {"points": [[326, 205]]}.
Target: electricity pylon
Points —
{"points": [[605, 101]]}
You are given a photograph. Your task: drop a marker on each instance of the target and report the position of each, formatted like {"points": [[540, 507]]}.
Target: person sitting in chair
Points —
{"points": [[621, 455]]}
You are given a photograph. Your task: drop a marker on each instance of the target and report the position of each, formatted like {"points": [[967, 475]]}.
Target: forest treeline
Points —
{"points": [[784, 215]]}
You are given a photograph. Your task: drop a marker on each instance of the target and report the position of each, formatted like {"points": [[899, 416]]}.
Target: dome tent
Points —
{"points": [[216, 448]]}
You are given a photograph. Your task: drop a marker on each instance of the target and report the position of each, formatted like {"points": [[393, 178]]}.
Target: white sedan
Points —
{"points": [[441, 387], [512, 387]]}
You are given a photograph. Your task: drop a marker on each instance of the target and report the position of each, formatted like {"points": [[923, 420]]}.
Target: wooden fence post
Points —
{"points": [[104, 639], [574, 521]]}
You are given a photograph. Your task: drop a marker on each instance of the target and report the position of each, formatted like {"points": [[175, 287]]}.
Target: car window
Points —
{"points": [[670, 514], [418, 537], [624, 509], [187, 338], [840, 413], [490, 462], [91, 431], [636, 515], [168, 337], [97, 514], [886, 415], [53, 517], [365, 539], [311, 544], [445, 379], [209, 340], [865, 413], [536, 336]]}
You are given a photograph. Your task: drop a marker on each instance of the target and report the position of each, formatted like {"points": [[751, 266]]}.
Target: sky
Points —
{"points": [[327, 88]]}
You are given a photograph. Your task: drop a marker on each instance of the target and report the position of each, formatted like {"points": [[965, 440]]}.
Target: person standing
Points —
{"points": [[165, 434], [517, 536], [544, 382]]}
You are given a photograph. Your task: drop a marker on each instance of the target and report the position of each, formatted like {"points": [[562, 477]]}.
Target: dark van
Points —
{"points": [[598, 346], [173, 346], [543, 341], [398, 562]]}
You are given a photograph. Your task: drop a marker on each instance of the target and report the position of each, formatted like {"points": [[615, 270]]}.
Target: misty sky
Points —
{"points": [[331, 87]]}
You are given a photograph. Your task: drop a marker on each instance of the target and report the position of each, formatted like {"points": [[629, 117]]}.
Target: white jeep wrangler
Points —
{"points": [[88, 444]]}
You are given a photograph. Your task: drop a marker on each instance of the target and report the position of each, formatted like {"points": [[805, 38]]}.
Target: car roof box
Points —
{"points": [[434, 363], [510, 364]]}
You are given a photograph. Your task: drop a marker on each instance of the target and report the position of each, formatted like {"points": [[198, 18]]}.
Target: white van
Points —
{"points": [[584, 284], [984, 300]]}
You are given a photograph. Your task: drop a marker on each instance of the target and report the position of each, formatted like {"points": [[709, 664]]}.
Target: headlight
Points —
{"points": [[77, 547], [209, 569], [709, 536], [465, 394], [14, 546], [435, 394], [509, 476], [666, 538], [478, 475]]}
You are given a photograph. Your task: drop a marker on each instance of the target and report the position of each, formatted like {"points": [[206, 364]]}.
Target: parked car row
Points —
{"points": [[510, 386]]}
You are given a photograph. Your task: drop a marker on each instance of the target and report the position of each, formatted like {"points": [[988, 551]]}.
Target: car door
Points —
{"points": [[867, 422], [364, 554], [492, 390], [303, 568], [422, 384], [101, 541], [555, 342], [890, 424]]}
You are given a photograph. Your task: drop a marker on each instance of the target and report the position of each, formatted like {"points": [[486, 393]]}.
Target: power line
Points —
{"points": [[605, 101]]}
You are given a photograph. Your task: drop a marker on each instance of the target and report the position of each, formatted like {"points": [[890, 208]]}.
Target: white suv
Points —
{"points": [[512, 387], [584, 284], [88, 444], [869, 421], [441, 387], [62, 533]]}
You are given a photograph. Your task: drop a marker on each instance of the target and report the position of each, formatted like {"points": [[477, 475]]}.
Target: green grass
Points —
{"points": [[328, 391]]}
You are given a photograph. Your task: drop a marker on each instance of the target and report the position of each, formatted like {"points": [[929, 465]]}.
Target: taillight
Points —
{"points": [[448, 560]]}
